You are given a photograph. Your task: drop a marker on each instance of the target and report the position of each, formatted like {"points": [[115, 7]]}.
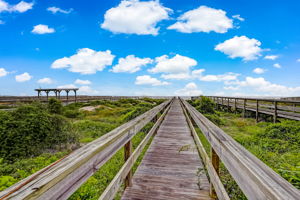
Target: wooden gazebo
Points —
{"points": [[57, 92]]}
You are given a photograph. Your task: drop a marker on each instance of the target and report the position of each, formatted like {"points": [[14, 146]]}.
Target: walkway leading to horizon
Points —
{"points": [[171, 168]]}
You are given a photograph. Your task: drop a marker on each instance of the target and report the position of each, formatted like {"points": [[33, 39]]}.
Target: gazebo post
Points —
{"points": [[67, 91], [47, 92], [75, 96]]}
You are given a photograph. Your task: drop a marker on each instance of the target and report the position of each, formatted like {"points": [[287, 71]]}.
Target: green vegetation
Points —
{"points": [[31, 130], [35, 135], [277, 145]]}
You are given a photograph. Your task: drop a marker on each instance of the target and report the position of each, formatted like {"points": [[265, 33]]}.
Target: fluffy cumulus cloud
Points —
{"points": [[264, 87], [20, 7], [241, 46], [45, 81], [271, 57], [214, 78], [87, 90], [203, 19], [259, 70], [148, 80], [42, 29], [177, 67], [55, 10], [277, 65], [130, 64], [135, 17], [191, 89], [3, 72], [85, 61], [82, 82], [23, 77]]}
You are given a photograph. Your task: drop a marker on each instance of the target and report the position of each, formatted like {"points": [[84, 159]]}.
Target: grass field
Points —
{"points": [[89, 121]]}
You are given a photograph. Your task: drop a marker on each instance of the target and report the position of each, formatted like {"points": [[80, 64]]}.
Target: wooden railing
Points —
{"points": [[62, 178], [255, 179], [274, 107]]}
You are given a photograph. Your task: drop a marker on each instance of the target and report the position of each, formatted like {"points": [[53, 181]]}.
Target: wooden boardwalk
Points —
{"points": [[171, 168]]}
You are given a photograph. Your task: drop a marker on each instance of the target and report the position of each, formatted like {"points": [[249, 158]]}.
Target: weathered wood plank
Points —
{"points": [[115, 184], [213, 174], [169, 167]]}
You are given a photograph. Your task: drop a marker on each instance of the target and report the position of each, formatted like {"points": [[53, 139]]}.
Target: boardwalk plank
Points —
{"points": [[169, 169]]}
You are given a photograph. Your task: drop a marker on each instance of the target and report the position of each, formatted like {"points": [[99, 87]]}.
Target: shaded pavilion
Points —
{"points": [[57, 92]]}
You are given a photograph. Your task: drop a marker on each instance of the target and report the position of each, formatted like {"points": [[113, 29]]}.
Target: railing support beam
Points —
{"points": [[127, 154], [215, 160]]}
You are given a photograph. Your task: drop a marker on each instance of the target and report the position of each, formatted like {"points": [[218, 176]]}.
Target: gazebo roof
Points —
{"points": [[56, 89]]}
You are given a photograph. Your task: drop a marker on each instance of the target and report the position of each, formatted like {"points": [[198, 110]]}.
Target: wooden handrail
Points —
{"points": [[115, 184], [213, 174], [62, 179], [274, 107], [256, 180]]}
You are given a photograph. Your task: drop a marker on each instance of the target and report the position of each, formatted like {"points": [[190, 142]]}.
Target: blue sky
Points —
{"points": [[166, 47]]}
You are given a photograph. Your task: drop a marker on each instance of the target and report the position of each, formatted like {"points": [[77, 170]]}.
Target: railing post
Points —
{"points": [[235, 109], [228, 106], [244, 113], [215, 160], [275, 112], [256, 110], [127, 154]]}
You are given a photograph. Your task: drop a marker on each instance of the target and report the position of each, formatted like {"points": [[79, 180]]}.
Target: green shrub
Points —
{"points": [[55, 106], [204, 105], [30, 129]]}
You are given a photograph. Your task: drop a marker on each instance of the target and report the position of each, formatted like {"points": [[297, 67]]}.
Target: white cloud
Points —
{"points": [[298, 60], [271, 57], [23, 77], [87, 90], [248, 49], [135, 17], [231, 88], [148, 80], [21, 7], [229, 76], [191, 89], [3, 72], [179, 76], [238, 17], [259, 70], [42, 29], [55, 10], [67, 86], [277, 65], [203, 19], [268, 88], [45, 81], [82, 82], [130, 64], [85, 61], [177, 67]]}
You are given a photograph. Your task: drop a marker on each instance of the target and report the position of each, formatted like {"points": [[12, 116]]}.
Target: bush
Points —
{"points": [[55, 106], [286, 130], [30, 129], [204, 105]]}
